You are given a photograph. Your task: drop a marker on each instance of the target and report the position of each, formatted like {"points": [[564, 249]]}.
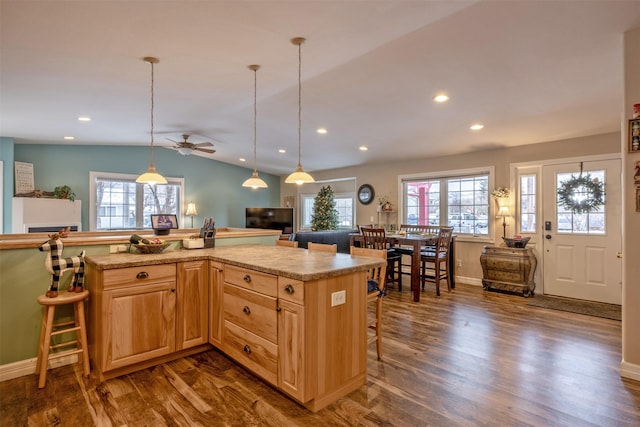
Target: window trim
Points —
{"points": [[455, 173], [342, 195], [124, 176]]}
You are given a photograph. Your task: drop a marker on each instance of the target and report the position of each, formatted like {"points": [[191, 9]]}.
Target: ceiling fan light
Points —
{"points": [[151, 177], [185, 151], [255, 182], [299, 177]]}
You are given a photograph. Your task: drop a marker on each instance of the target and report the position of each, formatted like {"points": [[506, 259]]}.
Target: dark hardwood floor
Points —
{"points": [[467, 358]]}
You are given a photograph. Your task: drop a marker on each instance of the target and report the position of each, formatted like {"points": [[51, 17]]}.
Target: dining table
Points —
{"points": [[416, 241]]}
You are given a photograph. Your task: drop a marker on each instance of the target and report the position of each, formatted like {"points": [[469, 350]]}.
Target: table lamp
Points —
{"points": [[503, 212], [191, 211]]}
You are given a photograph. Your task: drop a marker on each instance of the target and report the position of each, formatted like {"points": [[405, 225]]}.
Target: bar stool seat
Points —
{"points": [[50, 329]]}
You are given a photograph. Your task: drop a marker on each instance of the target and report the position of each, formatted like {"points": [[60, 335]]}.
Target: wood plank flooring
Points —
{"points": [[467, 358]]}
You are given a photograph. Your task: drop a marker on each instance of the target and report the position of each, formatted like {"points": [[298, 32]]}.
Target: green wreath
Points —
{"points": [[593, 189]]}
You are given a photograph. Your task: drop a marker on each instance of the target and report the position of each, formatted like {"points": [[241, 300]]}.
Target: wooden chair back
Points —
{"points": [[287, 243], [414, 228], [376, 289], [322, 247], [374, 238], [444, 241]]}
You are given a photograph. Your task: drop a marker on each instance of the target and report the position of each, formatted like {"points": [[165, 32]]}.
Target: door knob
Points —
{"points": [[548, 236]]}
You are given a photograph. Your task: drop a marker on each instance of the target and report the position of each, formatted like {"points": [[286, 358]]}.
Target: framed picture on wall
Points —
{"points": [[634, 136]]}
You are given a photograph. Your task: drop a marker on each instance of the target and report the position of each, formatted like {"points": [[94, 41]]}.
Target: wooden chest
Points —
{"points": [[509, 269]]}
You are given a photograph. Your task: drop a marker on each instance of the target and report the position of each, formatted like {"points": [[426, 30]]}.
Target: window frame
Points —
{"points": [[447, 175], [127, 177], [312, 196]]}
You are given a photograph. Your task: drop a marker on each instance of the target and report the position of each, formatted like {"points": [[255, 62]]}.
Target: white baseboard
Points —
{"points": [[28, 366], [469, 280], [630, 370]]}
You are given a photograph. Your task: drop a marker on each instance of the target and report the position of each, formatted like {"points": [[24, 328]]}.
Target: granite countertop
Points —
{"points": [[294, 263]]}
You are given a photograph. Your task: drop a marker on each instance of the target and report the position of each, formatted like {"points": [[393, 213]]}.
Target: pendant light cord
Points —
{"points": [[299, 101], [255, 115], [152, 108]]}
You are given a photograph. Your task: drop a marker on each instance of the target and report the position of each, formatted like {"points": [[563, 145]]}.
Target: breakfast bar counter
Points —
{"points": [[295, 318]]}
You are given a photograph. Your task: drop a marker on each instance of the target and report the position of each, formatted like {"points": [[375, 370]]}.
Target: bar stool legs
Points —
{"points": [[50, 329]]}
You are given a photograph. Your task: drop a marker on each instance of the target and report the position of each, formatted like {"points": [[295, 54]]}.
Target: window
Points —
{"points": [[117, 202], [461, 201], [587, 223], [344, 206], [527, 193]]}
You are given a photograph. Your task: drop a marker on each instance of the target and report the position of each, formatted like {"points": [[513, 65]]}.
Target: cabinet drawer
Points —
{"points": [[257, 354], [504, 263], [253, 311], [291, 290], [505, 276], [250, 279], [139, 275]]}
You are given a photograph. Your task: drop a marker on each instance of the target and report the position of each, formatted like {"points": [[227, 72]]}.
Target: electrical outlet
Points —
{"points": [[458, 263], [338, 298]]}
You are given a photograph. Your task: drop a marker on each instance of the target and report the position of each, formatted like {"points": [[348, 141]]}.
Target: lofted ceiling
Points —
{"points": [[530, 71]]}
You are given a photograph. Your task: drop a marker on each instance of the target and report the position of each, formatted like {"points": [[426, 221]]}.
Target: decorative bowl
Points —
{"points": [[516, 243], [152, 248]]}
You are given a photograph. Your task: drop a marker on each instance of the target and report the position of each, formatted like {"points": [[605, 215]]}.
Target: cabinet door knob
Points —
{"points": [[289, 288], [247, 349], [173, 290], [246, 310], [278, 309], [247, 278], [142, 275]]}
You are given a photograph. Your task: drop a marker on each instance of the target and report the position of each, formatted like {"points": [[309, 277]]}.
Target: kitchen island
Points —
{"points": [[295, 318]]}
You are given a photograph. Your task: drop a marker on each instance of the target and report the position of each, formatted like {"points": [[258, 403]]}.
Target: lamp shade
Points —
{"points": [[151, 177], [299, 177], [504, 211], [255, 181], [191, 209]]}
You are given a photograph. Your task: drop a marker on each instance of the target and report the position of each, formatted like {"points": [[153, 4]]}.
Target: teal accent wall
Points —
{"points": [[215, 187], [6, 156]]}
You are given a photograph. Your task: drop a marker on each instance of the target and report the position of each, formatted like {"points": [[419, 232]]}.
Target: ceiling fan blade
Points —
{"points": [[205, 150], [174, 141], [203, 144]]}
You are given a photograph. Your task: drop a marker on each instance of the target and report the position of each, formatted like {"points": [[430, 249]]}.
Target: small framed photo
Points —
{"points": [[634, 136], [164, 221]]}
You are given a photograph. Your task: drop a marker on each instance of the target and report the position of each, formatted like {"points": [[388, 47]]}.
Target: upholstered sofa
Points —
{"points": [[339, 237]]}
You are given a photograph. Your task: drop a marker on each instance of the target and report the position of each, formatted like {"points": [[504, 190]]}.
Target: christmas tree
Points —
{"points": [[325, 215]]}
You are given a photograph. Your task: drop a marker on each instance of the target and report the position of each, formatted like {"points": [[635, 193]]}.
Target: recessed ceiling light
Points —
{"points": [[322, 131], [242, 159], [69, 138], [84, 119], [476, 126], [363, 148], [441, 98], [282, 151]]}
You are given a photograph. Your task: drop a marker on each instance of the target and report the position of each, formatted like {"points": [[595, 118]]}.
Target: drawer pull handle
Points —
{"points": [[289, 288], [247, 278], [142, 275], [246, 310], [247, 349]]}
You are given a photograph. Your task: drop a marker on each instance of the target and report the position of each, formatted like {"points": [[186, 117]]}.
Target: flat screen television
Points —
{"points": [[270, 218]]}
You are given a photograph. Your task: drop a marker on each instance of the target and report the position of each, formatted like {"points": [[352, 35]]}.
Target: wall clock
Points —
{"points": [[365, 194]]}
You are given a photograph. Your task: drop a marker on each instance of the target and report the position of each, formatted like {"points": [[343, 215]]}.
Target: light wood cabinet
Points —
{"points": [[216, 291], [287, 332], [141, 316], [193, 304]]}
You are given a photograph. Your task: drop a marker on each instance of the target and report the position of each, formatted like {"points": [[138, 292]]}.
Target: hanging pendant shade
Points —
{"points": [[151, 177], [255, 181], [299, 176]]}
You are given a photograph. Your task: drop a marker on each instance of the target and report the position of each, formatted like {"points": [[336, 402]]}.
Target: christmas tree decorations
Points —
{"points": [[325, 215]]}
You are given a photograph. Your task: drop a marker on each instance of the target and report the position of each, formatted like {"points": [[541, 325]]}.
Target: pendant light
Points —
{"points": [[151, 177], [299, 176], [255, 181]]}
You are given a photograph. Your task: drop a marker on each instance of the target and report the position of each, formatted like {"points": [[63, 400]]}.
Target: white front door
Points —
{"points": [[580, 251]]}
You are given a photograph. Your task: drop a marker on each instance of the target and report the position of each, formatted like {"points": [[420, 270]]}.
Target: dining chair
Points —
{"points": [[439, 258], [376, 289], [288, 243], [322, 247], [376, 238]]}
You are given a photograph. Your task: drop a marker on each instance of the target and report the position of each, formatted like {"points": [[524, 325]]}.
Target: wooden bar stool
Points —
{"points": [[49, 329]]}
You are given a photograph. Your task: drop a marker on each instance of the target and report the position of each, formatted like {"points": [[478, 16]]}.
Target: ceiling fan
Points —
{"points": [[185, 147]]}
